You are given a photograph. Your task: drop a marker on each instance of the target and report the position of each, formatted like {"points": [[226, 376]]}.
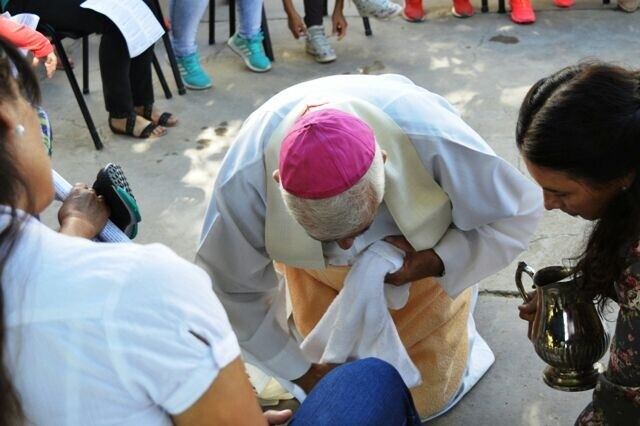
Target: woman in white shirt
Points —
{"points": [[122, 333]]}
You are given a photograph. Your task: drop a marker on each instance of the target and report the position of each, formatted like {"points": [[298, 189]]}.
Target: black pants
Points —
{"points": [[125, 81], [313, 12]]}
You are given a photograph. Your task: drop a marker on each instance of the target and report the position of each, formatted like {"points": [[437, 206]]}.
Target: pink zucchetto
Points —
{"points": [[325, 152]]}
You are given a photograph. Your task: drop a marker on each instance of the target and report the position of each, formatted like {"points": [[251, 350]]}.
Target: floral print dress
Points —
{"points": [[616, 398]]}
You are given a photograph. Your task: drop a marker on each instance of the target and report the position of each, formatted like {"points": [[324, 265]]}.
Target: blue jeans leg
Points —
{"points": [[249, 17], [185, 18], [368, 392]]}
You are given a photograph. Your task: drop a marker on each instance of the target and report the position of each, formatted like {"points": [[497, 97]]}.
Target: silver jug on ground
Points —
{"points": [[567, 332]]}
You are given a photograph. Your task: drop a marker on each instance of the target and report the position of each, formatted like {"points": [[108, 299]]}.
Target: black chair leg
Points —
{"points": [[212, 22], [501, 8], [163, 81], [174, 64], [268, 49], [367, 26], [76, 92], [85, 64], [485, 6], [232, 17]]}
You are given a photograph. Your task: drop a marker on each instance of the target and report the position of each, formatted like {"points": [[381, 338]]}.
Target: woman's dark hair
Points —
{"points": [[16, 77], [584, 120]]}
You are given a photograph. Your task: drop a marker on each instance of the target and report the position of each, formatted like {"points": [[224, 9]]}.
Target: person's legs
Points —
{"points": [[365, 392], [313, 12], [247, 41], [141, 79], [185, 17], [317, 44], [113, 53], [249, 17]]}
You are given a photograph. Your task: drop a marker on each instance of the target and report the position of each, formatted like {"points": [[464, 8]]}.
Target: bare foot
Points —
{"points": [[141, 123], [155, 116]]}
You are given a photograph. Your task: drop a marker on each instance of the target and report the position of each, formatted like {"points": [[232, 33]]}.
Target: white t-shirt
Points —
{"points": [[109, 333]]}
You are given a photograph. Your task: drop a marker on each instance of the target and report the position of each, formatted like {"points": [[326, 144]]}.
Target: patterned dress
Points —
{"points": [[616, 398]]}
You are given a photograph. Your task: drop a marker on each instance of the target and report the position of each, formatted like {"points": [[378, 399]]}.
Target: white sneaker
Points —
{"points": [[318, 46], [380, 9]]}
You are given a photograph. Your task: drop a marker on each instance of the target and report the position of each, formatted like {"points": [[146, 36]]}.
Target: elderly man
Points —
{"points": [[325, 169]]}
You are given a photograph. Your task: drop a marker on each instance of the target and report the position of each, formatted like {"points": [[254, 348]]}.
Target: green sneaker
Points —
{"points": [[251, 51], [193, 76]]}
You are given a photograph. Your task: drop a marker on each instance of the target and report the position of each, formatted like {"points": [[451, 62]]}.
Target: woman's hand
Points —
{"points": [[339, 24], [529, 310], [50, 64], [296, 25], [83, 214], [274, 417], [417, 264]]}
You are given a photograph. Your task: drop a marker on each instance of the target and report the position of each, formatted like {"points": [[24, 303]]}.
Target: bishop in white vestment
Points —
{"points": [[327, 168]]}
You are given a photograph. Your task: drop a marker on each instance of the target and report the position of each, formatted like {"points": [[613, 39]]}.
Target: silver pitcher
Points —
{"points": [[567, 332]]}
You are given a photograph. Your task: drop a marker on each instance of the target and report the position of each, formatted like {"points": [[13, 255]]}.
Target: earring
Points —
{"points": [[19, 130], [623, 188]]}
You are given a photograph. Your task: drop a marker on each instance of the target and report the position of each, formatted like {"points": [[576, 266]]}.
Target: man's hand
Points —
{"points": [[313, 376], [529, 310], [417, 264], [339, 24], [83, 213], [296, 25], [274, 417]]}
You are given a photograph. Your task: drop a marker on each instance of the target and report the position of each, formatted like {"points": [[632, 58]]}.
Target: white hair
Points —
{"points": [[333, 218]]}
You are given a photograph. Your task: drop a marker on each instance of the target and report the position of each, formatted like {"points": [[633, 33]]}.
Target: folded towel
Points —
{"points": [[357, 324]]}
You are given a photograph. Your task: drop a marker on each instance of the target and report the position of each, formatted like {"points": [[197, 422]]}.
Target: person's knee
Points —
{"points": [[380, 369]]}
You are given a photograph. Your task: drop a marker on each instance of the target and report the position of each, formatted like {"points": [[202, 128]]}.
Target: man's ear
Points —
{"points": [[384, 155], [276, 175]]}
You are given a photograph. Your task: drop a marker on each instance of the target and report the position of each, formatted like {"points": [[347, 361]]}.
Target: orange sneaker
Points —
{"points": [[522, 12], [563, 3], [413, 11], [462, 9]]}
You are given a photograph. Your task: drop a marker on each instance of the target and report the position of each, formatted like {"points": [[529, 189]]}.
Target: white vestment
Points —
{"points": [[495, 210]]}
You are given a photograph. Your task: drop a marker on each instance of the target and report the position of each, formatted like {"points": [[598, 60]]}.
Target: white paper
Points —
{"points": [[27, 19], [110, 234], [134, 19]]}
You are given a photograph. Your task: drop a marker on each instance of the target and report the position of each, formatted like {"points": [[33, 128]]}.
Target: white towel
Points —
{"points": [[358, 324]]}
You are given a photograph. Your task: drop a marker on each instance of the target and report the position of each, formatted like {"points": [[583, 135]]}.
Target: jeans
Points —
{"points": [[126, 81], [313, 12], [249, 17], [368, 392], [185, 17]]}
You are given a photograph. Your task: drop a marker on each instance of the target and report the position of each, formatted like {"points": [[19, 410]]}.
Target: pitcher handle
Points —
{"points": [[523, 267]]}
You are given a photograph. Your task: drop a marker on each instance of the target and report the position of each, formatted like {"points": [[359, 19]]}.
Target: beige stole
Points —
{"points": [[432, 327]]}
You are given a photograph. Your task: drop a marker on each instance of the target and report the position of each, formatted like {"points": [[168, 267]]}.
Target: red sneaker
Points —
{"points": [[462, 9], [522, 12], [563, 3], [413, 11]]}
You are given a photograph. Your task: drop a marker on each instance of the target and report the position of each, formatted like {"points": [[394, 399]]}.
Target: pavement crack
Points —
{"points": [[509, 294]]}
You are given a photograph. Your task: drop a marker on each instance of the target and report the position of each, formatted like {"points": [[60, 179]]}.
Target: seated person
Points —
{"points": [[126, 82], [125, 334]]}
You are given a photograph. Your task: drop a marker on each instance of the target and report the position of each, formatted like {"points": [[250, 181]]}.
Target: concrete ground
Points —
{"points": [[483, 65]]}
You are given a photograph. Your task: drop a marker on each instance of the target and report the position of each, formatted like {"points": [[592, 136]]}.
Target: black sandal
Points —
{"points": [[163, 120], [130, 126]]}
